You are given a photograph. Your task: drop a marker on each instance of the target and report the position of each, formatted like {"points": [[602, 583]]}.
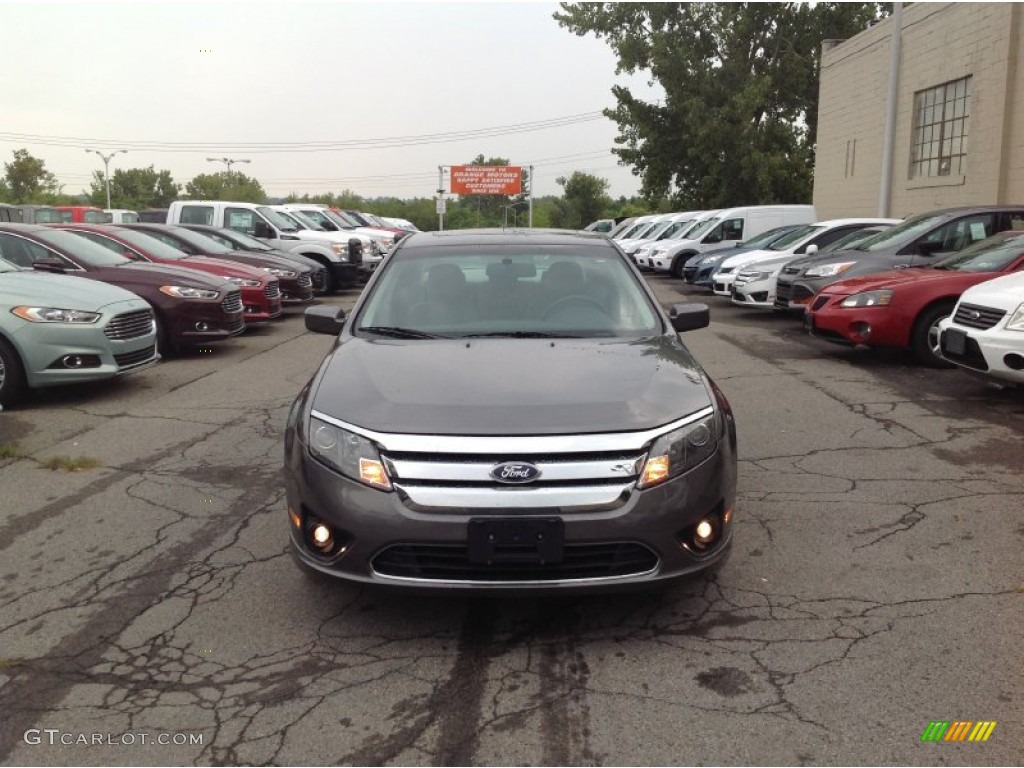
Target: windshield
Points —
{"points": [[992, 255], [850, 241], [901, 233], [766, 238], [151, 245], [96, 217], [786, 242], [676, 229], [631, 232], [129, 217], [85, 251], [241, 239], [283, 223], [314, 216], [341, 219], [374, 221], [200, 242], [357, 218], [508, 290], [47, 216], [703, 227]]}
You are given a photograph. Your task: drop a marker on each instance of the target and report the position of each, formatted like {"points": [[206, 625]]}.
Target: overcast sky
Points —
{"points": [[237, 75]]}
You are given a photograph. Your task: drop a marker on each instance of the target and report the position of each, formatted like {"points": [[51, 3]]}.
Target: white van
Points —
{"points": [[122, 216], [342, 259], [728, 227]]}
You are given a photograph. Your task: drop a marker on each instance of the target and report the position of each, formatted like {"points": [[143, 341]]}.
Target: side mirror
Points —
{"points": [[329, 226], [263, 230], [689, 317], [811, 249], [49, 265], [132, 255], [328, 320], [714, 236]]}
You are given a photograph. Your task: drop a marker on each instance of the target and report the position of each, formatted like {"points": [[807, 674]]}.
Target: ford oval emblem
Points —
{"points": [[974, 314], [515, 472]]}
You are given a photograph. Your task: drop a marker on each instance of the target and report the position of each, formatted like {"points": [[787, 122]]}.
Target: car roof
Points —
{"points": [[18, 226], [503, 237]]}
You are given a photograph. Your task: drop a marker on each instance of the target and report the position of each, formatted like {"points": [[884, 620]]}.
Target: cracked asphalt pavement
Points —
{"points": [[876, 584]]}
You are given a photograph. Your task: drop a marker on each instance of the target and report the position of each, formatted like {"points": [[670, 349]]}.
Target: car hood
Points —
{"points": [[160, 274], [803, 262], [1006, 292], [896, 278], [49, 290], [673, 247], [749, 257], [510, 386], [226, 267]]}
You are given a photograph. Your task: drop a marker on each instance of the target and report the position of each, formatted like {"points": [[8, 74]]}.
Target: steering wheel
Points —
{"points": [[578, 299]]}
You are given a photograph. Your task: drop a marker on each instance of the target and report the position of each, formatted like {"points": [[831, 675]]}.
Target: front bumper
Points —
{"points": [[382, 528], [345, 273], [987, 352], [756, 293], [795, 294], [297, 290], [43, 346], [263, 303], [722, 283]]}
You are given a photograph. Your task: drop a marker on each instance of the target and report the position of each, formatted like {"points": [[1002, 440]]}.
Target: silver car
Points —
{"points": [[57, 329]]}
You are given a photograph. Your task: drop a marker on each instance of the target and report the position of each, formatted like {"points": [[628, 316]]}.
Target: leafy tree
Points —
{"points": [[135, 189], [738, 121], [585, 198], [225, 185], [26, 179]]}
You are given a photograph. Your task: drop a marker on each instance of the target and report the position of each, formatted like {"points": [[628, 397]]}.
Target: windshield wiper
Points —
{"points": [[396, 332], [520, 335]]}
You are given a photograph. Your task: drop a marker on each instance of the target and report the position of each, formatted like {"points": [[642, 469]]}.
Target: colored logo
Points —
{"points": [[958, 730]]}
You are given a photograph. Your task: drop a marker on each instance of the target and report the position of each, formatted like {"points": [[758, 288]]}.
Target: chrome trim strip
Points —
{"points": [[517, 446], [607, 469], [512, 584], [453, 498]]}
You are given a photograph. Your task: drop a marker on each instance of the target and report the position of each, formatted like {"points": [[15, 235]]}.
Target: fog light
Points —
{"points": [[321, 536], [1014, 361], [704, 532], [203, 326], [861, 332]]}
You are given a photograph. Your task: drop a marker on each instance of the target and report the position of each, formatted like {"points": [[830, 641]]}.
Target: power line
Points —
{"points": [[309, 146]]}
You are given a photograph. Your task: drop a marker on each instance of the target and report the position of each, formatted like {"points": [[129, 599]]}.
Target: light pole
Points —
{"points": [[106, 166], [228, 161]]}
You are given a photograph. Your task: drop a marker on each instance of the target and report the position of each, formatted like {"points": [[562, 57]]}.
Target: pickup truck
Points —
{"points": [[341, 257]]}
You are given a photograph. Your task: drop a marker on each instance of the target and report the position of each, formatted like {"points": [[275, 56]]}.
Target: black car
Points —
{"points": [[916, 242], [508, 411], [240, 241]]}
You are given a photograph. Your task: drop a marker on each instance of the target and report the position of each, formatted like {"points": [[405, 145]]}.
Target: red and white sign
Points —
{"points": [[486, 180]]}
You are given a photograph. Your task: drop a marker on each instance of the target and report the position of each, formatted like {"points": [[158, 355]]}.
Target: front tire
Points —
{"points": [[924, 337], [12, 375]]}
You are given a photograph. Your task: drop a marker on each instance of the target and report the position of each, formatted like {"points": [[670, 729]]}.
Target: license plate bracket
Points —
{"points": [[954, 341], [516, 540]]}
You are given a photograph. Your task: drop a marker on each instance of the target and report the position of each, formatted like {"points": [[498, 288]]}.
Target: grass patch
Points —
{"points": [[11, 451], [69, 464]]}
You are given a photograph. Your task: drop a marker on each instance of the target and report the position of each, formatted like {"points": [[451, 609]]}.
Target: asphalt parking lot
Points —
{"points": [[876, 585]]}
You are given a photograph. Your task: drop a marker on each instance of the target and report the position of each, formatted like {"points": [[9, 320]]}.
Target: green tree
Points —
{"points": [[584, 199], [738, 120], [135, 189], [26, 179], [225, 185]]}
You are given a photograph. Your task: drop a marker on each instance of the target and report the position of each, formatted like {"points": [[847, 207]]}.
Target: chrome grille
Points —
{"points": [[304, 281], [130, 325], [974, 316], [232, 302], [273, 290]]}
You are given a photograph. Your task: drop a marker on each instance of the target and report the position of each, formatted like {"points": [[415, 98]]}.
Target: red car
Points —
{"points": [[902, 308], [261, 292], [83, 214]]}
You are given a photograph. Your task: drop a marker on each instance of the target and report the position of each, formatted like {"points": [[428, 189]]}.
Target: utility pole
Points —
{"points": [[440, 198], [106, 166], [228, 161], [530, 218]]}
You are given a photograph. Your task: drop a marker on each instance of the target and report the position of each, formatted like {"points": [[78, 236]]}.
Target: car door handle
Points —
{"points": [[901, 266]]}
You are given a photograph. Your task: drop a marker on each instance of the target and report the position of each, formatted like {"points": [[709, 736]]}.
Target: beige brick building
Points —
{"points": [[959, 137]]}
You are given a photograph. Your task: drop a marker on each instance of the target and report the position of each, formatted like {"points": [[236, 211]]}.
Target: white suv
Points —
{"points": [[985, 333]]}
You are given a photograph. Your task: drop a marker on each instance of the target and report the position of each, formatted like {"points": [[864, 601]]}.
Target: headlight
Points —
{"points": [[244, 283], [680, 450], [185, 292], [829, 270], [350, 454], [279, 272], [711, 260], [1016, 321], [868, 299], [341, 249], [55, 315], [753, 276]]}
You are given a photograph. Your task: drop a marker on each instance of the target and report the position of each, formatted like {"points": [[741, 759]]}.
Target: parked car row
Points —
{"points": [[85, 301], [936, 284]]}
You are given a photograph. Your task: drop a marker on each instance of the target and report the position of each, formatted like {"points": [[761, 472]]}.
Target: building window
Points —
{"points": [[941, 119]]}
